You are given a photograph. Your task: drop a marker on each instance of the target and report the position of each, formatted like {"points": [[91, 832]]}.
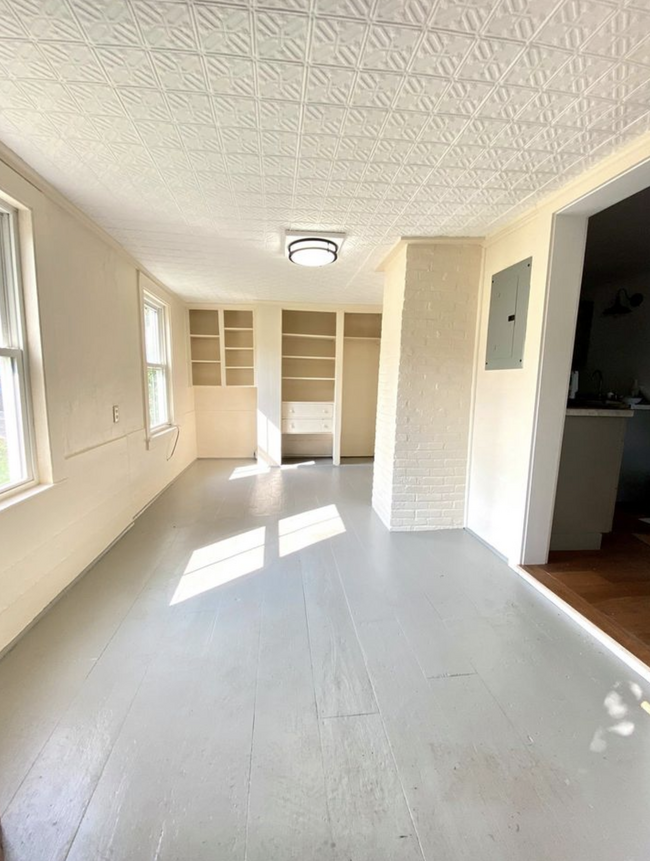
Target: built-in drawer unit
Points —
{"points": [[307, 425], [307, 410]]}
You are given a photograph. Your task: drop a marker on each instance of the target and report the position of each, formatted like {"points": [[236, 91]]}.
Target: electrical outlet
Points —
{"points": [[116, 414]]}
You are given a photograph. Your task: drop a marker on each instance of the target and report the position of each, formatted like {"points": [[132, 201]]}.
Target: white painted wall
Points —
{"points": [[268, 371], [102, 473], [389, 357], [504, 401], [518, 415]]}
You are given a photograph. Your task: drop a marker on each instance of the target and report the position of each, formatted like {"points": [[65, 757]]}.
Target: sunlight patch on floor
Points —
{"points": [[309, 527], [220, 563], [253, 469], [249, 471]]}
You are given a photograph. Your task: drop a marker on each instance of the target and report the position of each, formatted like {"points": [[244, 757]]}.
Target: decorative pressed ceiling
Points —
{"points": [[197, 132]]}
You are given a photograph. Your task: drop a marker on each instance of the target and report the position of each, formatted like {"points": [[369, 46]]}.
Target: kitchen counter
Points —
{"points": [[588, 478], [606, 412]]}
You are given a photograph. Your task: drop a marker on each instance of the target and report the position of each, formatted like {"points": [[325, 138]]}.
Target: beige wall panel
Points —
{"points": [[229, 433], [217, 398], [359, 408], [226, 421]]}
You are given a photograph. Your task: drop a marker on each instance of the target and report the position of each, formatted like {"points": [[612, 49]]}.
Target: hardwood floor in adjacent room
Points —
{"points": [[259, 671], [610, 586]]}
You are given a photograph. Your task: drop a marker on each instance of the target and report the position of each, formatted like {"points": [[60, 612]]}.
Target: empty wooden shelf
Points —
{"points": [[224, 337], [205, 347]]}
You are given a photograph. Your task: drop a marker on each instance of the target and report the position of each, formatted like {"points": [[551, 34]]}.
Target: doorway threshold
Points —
{"points": [[609, 589]]}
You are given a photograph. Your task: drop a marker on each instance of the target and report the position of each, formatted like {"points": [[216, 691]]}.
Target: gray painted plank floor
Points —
{"points": [[259, 670]]}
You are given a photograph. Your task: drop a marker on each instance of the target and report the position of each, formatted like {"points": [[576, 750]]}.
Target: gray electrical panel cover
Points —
{"points": [[508, 313]]}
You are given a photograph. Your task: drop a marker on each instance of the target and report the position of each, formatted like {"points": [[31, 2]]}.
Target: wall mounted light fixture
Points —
{"points": [[623, 303]]}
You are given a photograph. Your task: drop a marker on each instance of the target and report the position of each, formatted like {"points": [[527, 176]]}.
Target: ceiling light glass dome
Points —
{"points": [[312, 251]]}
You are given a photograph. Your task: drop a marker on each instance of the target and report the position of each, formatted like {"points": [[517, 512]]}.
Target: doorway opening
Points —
{"points": [[598, 538]]}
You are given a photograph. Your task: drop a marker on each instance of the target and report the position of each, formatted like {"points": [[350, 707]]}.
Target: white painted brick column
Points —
{"points": [[425, 382]]}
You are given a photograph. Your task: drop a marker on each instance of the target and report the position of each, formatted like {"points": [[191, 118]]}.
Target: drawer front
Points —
{"points": [[307, 410], [307, 426]]}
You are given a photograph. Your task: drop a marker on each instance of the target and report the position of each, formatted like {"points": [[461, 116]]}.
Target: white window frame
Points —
{"points": [[13, 344], [165, 365]]}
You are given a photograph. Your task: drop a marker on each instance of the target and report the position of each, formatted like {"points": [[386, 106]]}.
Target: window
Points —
{"points": [[16, 463], [156, 357]]}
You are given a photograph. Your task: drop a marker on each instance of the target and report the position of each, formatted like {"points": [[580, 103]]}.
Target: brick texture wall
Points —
{"points": [[425, 386]]}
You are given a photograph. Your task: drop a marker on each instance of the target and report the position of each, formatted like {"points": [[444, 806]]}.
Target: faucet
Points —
{"points": [[598, 374]]}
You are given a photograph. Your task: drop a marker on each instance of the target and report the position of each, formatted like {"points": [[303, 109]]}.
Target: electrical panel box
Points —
{"points": [[508, 314]]}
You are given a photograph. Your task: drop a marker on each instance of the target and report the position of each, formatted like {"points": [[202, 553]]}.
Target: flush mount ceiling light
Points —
{"points": [[312, 251], [308, 249]]}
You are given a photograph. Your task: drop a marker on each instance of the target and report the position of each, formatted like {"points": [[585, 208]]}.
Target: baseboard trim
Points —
{"points": [[486, 544], [82, 574]]}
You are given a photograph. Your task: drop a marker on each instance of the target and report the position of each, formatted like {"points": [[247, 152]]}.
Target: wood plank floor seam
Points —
{"points": [[90, 798], [450, 676], [318, 719], [355, 714], [401, 783], [250, 756]]}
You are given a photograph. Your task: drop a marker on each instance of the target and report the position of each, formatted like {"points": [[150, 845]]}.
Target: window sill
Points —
{"points": [[23, 495], [159, 435]]}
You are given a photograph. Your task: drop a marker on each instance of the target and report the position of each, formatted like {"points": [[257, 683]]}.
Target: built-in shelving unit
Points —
{"points": [[239, 348], [205, 348], [362, 326], [308, 356], [318, 383], [222, 347], [308, 381]]}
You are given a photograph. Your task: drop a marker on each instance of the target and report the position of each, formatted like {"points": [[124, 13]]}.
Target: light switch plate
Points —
{"points": [[116, 414]]}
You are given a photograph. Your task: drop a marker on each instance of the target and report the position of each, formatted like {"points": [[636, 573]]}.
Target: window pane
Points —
{"points": [[156, 384], [12, 450], [153, 334]]}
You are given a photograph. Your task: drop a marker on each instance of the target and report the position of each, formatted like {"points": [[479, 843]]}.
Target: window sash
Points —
{"points": [[16, 448], [154, 342], [158, 400], [11, 329]]}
